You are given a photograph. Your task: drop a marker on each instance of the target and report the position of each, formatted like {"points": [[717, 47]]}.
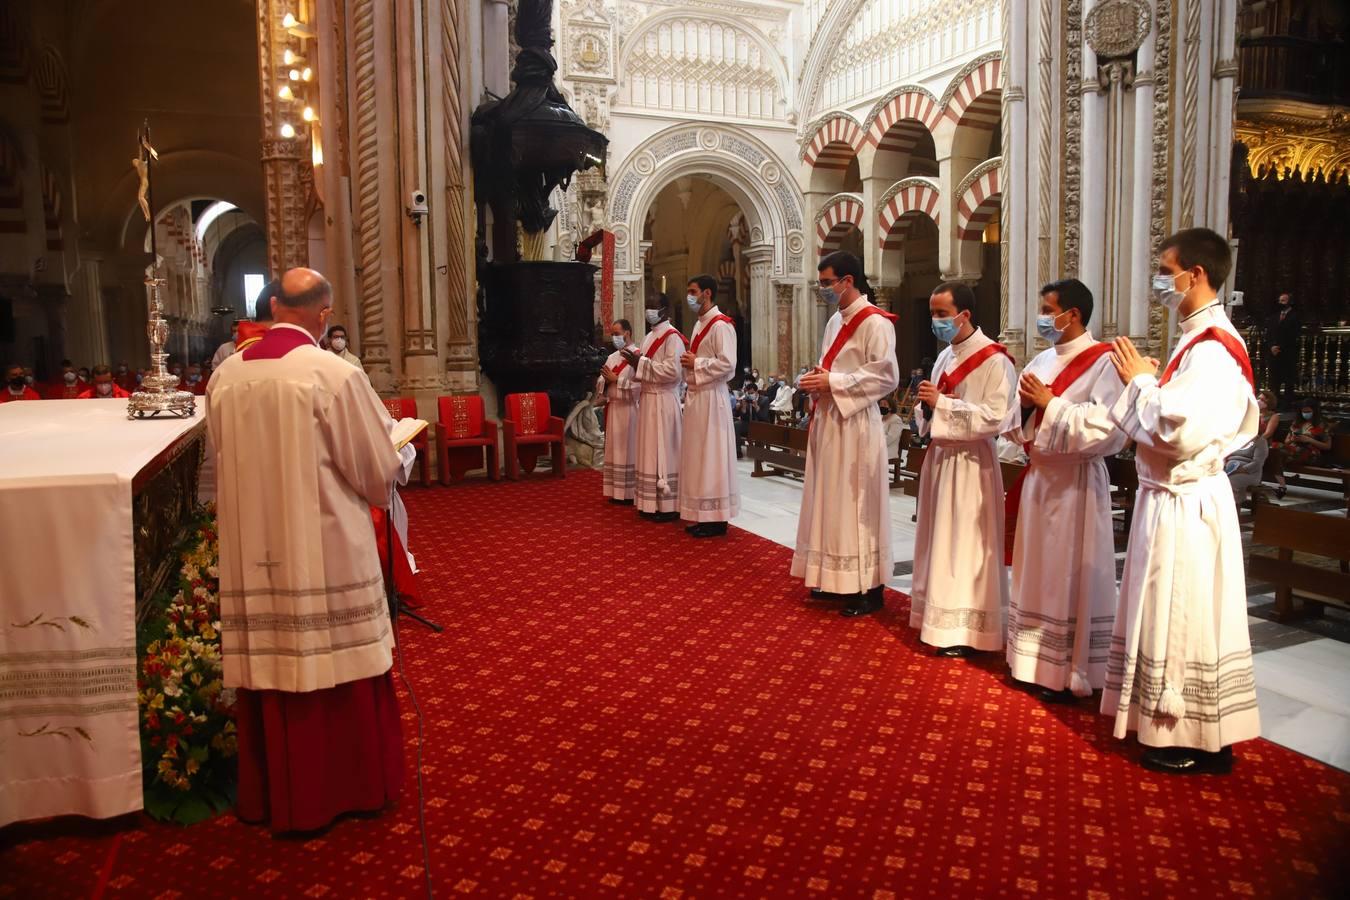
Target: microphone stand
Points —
{"points": [[396, 605]]}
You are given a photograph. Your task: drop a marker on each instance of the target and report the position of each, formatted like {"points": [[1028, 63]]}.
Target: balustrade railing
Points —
{"points": [[1323, 363]]}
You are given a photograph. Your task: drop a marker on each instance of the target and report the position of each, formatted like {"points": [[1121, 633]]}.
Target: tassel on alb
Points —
{"points": [[1079, 685], [662, 486], [1171, 704]]}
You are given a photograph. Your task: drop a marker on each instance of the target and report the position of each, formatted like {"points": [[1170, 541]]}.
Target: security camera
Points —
{"points": [[417, 204]]}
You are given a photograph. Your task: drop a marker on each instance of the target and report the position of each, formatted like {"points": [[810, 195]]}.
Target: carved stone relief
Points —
{"points": [[1117, 28]]}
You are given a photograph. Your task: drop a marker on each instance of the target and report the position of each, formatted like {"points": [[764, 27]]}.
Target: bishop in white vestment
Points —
{"points": [[709, 495], [960, 588], [620, 396], [303, 451], [1180, 669], [659, 374], [1064, 559], [843, 545]]}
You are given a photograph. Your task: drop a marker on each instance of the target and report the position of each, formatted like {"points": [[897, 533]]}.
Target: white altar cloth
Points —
{"points": [[69, 737]]}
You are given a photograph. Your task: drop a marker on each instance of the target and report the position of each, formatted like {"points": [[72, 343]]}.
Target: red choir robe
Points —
{"points": [[92, 394], [62, 391], [28, 394], [307, 756]]}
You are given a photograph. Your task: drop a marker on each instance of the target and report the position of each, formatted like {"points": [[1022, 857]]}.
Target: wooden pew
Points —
{"points": [[776, 449], [1292, 531], [1124, 485]]}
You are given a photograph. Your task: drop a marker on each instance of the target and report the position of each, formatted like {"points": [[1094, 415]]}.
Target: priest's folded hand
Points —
{"points": [[687, 360], [1033, 392], [928, 393], [816, 382], [1128, 362]]}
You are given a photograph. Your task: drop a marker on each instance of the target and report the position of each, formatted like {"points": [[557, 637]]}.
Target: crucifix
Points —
{"points": [[268, 564], [159, 393]]}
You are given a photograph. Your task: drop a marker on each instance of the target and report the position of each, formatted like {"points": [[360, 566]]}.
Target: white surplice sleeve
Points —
{"points": [[879, 374], [356, 425], [722, 363], [1205, 397], [989, 410], [664, 368], [1085, 428]]}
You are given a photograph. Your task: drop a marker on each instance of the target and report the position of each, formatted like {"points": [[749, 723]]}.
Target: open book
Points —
{"points": [[405, 430]]}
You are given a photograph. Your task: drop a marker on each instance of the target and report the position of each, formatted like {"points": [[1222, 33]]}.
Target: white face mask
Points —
{"points": [[618, 342], [653, 316], [339, 344], [693, 301], [1165, 289], [69, 377]]}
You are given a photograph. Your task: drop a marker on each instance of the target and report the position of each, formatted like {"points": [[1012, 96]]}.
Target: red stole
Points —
{"points": [[1012, 501], [950, 381], [698, 338], [673, 332], [841, 339], [277, 342], [1231, 344]]}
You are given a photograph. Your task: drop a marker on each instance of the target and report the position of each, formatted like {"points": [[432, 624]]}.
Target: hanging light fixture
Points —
{"points": [[290, 57], [289, 21]]}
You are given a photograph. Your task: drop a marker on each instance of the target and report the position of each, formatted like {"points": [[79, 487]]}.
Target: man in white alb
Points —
{"points": [[709, 495], [843, 549], [619, 395], [1180, 668], [1064, 554], [657, 369], [960, 583], [303, 451]]}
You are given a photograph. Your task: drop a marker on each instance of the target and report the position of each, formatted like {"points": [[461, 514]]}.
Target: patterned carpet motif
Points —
{"points": [[616, 709]]}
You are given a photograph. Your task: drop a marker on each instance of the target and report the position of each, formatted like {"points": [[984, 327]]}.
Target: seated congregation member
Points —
{"points": [[843, 548], [193, 382], [960, 583], [68, 385], [16, 387], [657, 369], [709, 494], [1308, 436], [103, 386], [303, 453], [1064, 554], [1180, 668], [892, 426], [619, 393]]}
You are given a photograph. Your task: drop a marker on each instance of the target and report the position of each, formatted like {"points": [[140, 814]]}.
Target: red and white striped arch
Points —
{"points": [[840, 213], [896, 123], [917, 198], [834, 144], [978, 205], [976, 101]]}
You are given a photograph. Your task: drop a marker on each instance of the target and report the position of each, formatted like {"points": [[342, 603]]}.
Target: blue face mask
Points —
{"points": [[945, 330], [692, 300], [830, 296], [1045, 327]]}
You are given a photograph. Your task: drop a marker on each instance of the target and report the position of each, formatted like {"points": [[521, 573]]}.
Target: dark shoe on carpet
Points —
{"points": [[960, 651], [864, 604], [1049, 696], [708, 529], [665, 516], [818, 594], [1188, 761]]}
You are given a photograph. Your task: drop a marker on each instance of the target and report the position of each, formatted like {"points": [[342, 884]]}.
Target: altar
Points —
{"points": [[91, 506]]}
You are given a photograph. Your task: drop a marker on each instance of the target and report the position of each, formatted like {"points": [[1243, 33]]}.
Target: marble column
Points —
{"points": [[784, 297], [763, 308], [88, 338]]}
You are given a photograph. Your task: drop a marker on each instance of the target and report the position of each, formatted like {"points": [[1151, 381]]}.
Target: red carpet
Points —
{"points": [[616, 709]]}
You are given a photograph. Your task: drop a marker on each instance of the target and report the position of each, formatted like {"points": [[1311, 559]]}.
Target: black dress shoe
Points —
{"points": [[709, 529], [818, 594], [1049, 696], [1188, 761], [864, 604], [960, 651], [665, 516]]}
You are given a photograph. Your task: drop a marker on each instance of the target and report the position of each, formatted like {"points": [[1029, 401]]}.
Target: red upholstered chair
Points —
{"points": [[528, 430], [406, 408], [463, 436]]}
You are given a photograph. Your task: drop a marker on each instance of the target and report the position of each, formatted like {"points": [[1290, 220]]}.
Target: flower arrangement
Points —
{"points": [[188, 741]]}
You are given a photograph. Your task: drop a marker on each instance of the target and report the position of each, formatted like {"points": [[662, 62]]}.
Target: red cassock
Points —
{"points": [[91, 394], [66, 391], [307, 758], [28, 394]]}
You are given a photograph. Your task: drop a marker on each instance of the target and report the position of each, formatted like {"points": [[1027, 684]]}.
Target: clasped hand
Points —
{"points": [[928, 393], [817, 381], [687, 360], [1128, 361], [1033, 392]]}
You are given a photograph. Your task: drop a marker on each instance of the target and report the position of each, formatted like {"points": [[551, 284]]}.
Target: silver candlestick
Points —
{"points": [[159, 394]]}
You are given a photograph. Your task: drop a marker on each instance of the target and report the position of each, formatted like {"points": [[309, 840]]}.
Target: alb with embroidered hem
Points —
{"points": [[844, 528], [619, 480], [708, 491], [1063, 597], [659, 375], [1180, 671], [960, 583]]}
